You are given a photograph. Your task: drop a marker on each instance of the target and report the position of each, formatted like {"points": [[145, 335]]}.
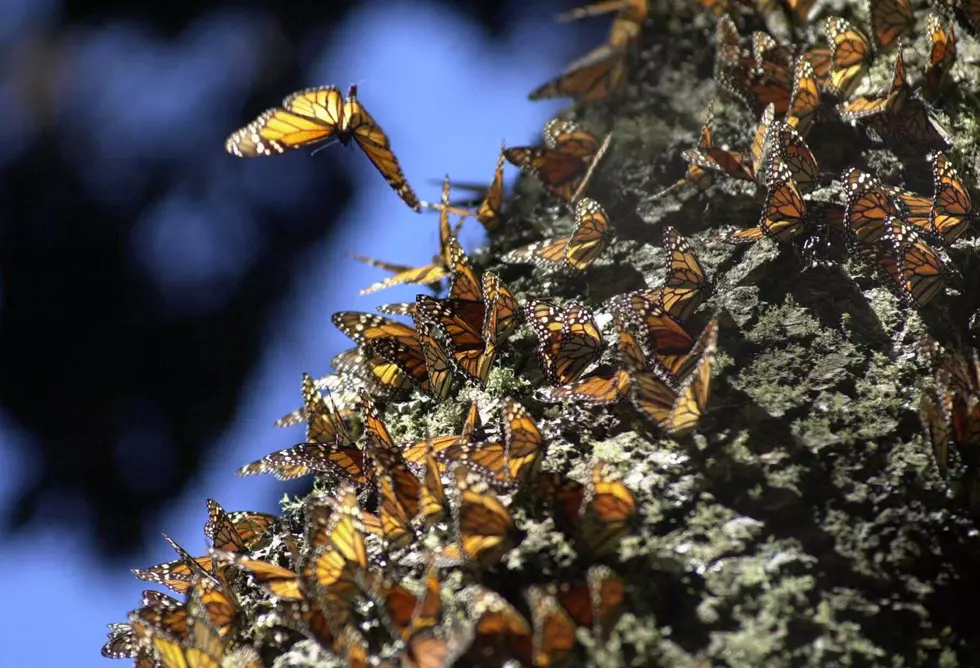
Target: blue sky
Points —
{"points": [[445, 95]]}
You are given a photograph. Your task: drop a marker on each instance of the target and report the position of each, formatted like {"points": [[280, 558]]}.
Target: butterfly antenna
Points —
{"points": [[592, 166]]}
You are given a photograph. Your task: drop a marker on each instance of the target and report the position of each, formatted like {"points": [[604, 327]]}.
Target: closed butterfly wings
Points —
{"points": [[686, 285], [318, 115]]}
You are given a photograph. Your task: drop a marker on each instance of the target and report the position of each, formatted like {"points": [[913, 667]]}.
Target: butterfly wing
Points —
{"points": [[307, 117]]}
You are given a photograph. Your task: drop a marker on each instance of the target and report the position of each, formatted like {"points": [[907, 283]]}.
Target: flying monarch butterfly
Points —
{"points": [[851, 55], [697, 176], [499, 632], [686, 285], [916, 272], [317, 115], [935, 406], [433, 272], [952, 208], [554, 629], [677, 411], [804, 101], [593, 77], [236, 532], [892, 101], [563, 160], [576, 252], [568, 339], [942, 54], [890, 19], [484, 525], [177, 575], [596, 603]]}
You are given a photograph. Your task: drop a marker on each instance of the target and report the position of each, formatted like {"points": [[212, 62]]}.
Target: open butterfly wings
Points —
{"points": [[318, 115]]}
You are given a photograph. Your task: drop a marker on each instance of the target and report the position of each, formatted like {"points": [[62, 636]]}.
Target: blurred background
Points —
{"points": [[160, 298]]}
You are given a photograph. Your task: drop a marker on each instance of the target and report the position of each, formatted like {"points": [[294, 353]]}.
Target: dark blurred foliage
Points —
{"points": [[124, 376]]}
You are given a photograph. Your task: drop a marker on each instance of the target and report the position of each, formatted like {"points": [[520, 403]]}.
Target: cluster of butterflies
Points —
{"points": [[900, 234], [950, 411], [346, 569]]}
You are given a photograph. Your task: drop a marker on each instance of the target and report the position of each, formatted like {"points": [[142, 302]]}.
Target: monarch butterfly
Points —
{"points": [[568, 339], [425, 275], [554, 629], [606, 511], [892, 101], [433, 501], [784, 213], [952, 207], [316, 115], [122, 643], [236, 532], [804, 101], [934, 412], [850, 55], [916, 272], [686, 285], [821, 59], [343, 393], [677, 411], [576, 252], [942, 54], [697, 176], [665, 337], [914, 125], [628, 10], [867, 207], [203, 647], [282, 583], [799, 10], [177, 575], [485, 527], [499, 631], [562, 161], [762, 79], [593, 77], [410, 614], [415, 452], [471, 328], [890, 19], [488, 213], [403, 487], [339, 556], [525, 445], [426, 364], [786, 144], [707, 158], [597, 602]]}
